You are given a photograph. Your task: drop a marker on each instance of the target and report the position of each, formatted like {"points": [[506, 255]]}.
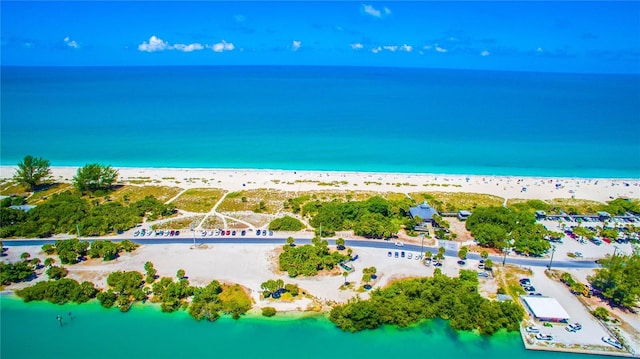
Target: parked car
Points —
{"points": [[532, 329], [541, 336], [177, 233], [396, 255], [573, 327], [389, 254], [399, 244], [244, 233], [612, 342], [483, 274], [257, 232], [409, 255]]}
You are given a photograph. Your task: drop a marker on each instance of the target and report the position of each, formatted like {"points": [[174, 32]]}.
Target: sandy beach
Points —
{"points": [[507, 187]]}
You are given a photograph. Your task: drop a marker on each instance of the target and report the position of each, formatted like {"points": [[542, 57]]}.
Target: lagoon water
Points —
{"points": [[324, 118], [30, 330]]}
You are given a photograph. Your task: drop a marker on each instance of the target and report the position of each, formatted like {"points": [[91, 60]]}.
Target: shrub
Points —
{"points": [[268, 311], [286, 223], [601, 313]]}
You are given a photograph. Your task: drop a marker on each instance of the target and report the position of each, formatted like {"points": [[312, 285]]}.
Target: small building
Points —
{"points": [[424, 211], [23, 207], [545, 309], [541, 215], [463, 215]]}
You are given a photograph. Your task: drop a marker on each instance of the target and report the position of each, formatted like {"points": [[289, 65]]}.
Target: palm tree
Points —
{"points": [[290, 241], [484, 254], [340, 243], [345, 274], [48, 262], [25, 256]]}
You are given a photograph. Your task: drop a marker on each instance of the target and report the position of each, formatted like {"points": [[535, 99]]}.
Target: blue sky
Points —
{"points": [[596, 37]]}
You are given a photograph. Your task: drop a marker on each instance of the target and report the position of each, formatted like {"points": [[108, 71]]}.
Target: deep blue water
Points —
{"points": [[324, 118]]}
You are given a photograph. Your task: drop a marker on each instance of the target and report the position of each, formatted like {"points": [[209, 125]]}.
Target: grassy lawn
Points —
{"points": [[40, 196], [136, 193], [213, 222], [453, 202], [199, 199]]}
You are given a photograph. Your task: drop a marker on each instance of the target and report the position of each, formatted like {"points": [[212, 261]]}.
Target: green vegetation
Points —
{"points": [[198, 199], [456, 201], [494, 226], [32, 171], [59, 291], [68, 212], [130, 194], [125, 288], [454, 299], [286, 223], [269, 311], [601, 313], [575, 286], [235, 301], [108, 250], [619, 279], [151, 272], [250, 200], [206, 303], [307, 260], [16, 272], [375, 217], [94, 177], [55, 272], [273, 286], [172, 295], [620, 206]]}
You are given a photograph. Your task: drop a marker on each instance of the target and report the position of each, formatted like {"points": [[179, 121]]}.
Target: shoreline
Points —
{"points": [[232, 180]]}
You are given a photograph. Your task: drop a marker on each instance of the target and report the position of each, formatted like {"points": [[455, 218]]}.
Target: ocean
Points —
{"points": [[146, 332], [324, 118]]}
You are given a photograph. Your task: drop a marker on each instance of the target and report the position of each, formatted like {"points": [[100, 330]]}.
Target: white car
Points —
{"points": [[612, 342], [409, 256], [541, 336], [399, 244], [532, 329]]}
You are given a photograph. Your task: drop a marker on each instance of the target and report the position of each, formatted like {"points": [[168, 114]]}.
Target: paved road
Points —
{"points": [[533, 262]]}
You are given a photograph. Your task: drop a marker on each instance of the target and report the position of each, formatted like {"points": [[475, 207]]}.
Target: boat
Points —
{"points": [[614, 343]]}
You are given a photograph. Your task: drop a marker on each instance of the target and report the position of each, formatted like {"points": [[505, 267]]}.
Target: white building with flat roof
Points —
{"points": [[545, 309]]}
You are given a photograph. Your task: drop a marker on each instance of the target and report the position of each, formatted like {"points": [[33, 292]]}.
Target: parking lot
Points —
{"points": [[588, 250], [592, 331]]}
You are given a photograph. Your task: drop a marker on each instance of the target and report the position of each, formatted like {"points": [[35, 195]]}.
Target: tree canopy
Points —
{"points": [[619, 279], [286, 223], [94, 176], [307, 260], [454, 299], [32, 171]]}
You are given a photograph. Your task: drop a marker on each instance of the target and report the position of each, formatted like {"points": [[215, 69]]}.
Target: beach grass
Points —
{"points": [[11, 188], [249, 200], [572, 205], [179, 223], [134, 193], [198, 200], [213, 222], [455, 201], [40, 196]]}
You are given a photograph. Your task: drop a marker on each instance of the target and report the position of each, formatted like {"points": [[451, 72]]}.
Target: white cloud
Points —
{"points": [[295, 45], [391, 48], [440, 49], [357, 46], [71, 43], [485, 53], [187, 48], [427, 47], [368, 9], [406, 48], [539, 50], [375, 50], [222, 46], [154, 44]]}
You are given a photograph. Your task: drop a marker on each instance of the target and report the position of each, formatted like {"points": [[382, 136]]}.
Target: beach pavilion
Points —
{"points": [[545, 309], [424, 211]]}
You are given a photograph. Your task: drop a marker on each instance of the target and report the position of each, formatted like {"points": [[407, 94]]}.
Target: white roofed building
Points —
{"points": [[545, 309]]}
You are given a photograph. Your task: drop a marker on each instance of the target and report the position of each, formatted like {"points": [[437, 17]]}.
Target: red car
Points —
{"points": [[605, 239]]}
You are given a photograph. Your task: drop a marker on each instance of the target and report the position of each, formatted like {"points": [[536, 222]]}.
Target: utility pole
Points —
{"points": [[615, 250], [553, 250], [422, 245], [193, 229]]}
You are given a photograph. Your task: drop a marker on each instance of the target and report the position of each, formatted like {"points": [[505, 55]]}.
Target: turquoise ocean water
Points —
{"points": [[325, 118], [145, 332]]}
